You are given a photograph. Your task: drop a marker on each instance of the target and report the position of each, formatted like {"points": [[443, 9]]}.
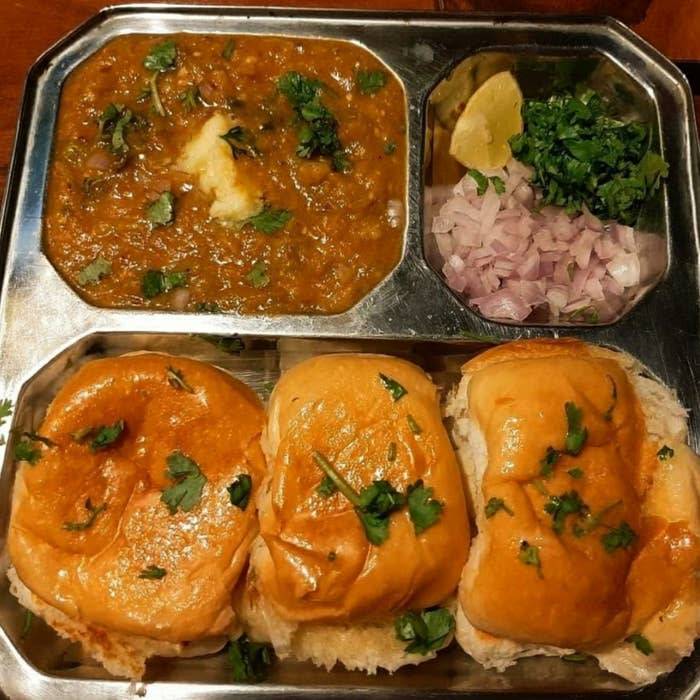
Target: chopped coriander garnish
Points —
{"points": [[5, 410], [112, 125], [155, 282], [249, 660], [665, 453], [591, 522], [482, 182], [326, 488], [153, 572], [241, 142], [621, 537], [530, 555], [240, 490], [559, 507], [413, 425], [494, 505], [190, 98], [393, 387], [319, 130], [231, 344], [161, 58], [188, 485], [574, 658], [389, 148], [547, 462], [258, 276], [575, 473], [93, 512], [270, 220], [26, 451], [498, 185], [228, 49], [106, 435], [373, 505], [161, 212], [641, 643], [426, 631], [369, 81], [93, 272], [391, 452], [576, 435], [176, 379], [423, 509], [613, 400]]}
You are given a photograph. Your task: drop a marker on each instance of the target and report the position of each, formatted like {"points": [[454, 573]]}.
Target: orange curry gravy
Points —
{"points": [[346, 229]]}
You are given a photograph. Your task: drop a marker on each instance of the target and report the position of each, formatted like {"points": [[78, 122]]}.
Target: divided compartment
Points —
{"points": [[259, 363], [539, 76]]}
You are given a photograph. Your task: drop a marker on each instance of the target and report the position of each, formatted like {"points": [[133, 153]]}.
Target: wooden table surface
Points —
{"points": [[28, 27]]}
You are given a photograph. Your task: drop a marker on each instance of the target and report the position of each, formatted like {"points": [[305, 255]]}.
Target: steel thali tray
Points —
{"points": [[46, 329]]}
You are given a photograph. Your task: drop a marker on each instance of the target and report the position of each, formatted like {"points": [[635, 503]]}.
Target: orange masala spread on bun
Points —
{"points": [[571, 559], [98, 529], [318, 564]]}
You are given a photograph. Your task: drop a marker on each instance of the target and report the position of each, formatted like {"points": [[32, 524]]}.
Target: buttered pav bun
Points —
{"points": [[130, 522], [339, 560], [586, 502]]}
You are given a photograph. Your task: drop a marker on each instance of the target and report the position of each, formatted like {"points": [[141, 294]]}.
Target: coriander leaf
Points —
{"points": [[188, 485], [318, 134], [591, 522], [389, 148], [641, 643], [423, 509], [413, 425], [576, 436], [665, 453], [231, 344], [106, 435], [239, 491], [161, 212], [621, 537], [609, 411], [575, 473], [494, 505], [258, 276], [93, 512], [249, 660], [112, 125], [551, 456], [228, 49], [369, 81], [240, 140], [391, 452], [153, 572], [393, 387], [176, 379], [326, 488], [93, 272], [190, 98], [426, 631], [481, 180], [26, 451], [498, 185], [155, 282], [568, 503], [530, 555], [162, 56], [5, 410], [270, 220]]}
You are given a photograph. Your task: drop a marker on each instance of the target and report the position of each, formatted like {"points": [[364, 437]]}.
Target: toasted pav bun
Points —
{"points": [[591, 547], [318, 589], [88, 576]]}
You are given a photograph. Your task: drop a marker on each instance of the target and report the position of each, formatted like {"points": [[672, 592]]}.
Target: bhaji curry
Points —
{"points": [[218, 173]]}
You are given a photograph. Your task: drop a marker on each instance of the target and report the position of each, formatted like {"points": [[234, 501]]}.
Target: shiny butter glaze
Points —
{"points": [[93, 575]]}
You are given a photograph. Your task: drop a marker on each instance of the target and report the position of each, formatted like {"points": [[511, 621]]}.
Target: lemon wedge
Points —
{"points": [[490, 117]]}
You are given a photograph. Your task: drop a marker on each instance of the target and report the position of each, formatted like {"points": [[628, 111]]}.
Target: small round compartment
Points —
{"points": [[583, 264]]}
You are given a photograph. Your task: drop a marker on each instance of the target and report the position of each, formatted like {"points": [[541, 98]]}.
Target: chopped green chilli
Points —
{"points": [[248, 660], [27, 625], [370, 81], [575, 473], [494, 505], [574, 658], [391, 452], [186, 491], [94, 271], [413, 425], [423, 509], [393, 387], [240, 490], [425, 631], [161, 212], [228, 49], [93, 512], [641, 643], [153, 572]]}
